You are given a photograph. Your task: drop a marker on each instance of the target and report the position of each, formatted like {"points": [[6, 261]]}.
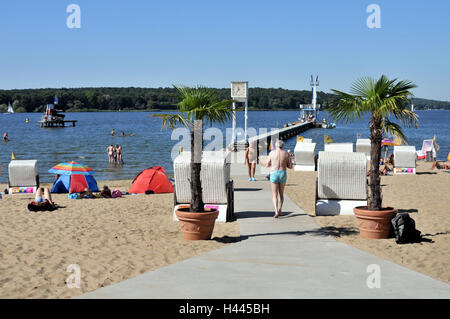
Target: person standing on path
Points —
{"points": [[278, 161], [251, 158]]}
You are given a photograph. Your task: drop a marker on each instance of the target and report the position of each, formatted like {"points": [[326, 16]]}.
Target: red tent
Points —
{"points": [[151, 179]]}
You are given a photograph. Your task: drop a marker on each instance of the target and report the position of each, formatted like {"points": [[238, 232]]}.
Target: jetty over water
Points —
{"points": [[290, 130]]}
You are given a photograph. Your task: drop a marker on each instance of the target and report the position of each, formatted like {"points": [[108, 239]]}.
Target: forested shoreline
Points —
{"points": [[148, 99]]}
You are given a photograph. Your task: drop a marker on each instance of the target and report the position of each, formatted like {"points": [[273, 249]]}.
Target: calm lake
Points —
{"points": [[151, 146]]}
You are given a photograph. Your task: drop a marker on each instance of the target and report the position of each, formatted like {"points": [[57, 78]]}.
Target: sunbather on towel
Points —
{"points": [[43, 195], [440, 166], [42, 202]]}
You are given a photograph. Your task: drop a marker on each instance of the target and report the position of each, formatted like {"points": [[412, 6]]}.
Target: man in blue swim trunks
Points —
{"points": [[278, 161]]}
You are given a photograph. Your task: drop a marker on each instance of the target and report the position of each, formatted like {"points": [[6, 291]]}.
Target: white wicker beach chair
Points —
{"points": [[305, 156], [216, 182], [363, 146], [23, 177], [405, 159], [341, 182], [338, 147]]}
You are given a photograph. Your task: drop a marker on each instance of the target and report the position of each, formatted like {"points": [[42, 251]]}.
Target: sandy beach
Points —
{"points": [[110, 239], [424, 195]]}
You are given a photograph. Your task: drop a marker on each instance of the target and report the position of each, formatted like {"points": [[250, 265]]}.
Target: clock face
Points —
{"points": [[238, 90]]}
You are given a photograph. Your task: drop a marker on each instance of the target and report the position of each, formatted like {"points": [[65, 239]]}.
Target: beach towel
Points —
{"points": [[42, 206], [73, 196]]}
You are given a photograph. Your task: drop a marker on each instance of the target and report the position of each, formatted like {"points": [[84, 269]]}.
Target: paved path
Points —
{"points": [[289, 257]]}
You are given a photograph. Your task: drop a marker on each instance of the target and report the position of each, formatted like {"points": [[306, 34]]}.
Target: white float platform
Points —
{"points": [[305, 168], [334, 207]]}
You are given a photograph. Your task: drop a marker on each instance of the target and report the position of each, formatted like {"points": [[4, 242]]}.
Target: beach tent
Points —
{"points": [[74, 183], [153, 180]]}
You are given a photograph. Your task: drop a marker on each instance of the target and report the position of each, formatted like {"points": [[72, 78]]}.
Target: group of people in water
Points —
{"points": [[115, 154], [122, 134]]}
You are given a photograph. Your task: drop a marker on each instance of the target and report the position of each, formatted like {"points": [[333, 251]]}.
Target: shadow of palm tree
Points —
{"points": [[320, 232], [242, 189], [229, 239], [256, 214]]}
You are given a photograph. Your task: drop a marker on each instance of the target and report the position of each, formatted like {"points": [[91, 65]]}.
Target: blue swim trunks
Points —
{"points": [[38, 199], [278, 177]]}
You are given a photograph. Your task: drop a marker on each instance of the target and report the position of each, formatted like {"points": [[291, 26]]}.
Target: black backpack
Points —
{"points": [[405, 229]]}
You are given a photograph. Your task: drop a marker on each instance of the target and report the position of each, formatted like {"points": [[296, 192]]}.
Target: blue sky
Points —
{"points": [[268, 43]]}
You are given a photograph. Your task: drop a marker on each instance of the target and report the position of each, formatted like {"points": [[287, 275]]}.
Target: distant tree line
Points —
{"points": [[148, 99]]}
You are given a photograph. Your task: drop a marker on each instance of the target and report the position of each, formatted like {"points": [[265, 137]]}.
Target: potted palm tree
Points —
{"points": [[382, 99], [197, 105]]}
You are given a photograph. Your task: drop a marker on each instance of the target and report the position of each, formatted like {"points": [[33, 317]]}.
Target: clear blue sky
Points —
{"points": [[268, 43]]}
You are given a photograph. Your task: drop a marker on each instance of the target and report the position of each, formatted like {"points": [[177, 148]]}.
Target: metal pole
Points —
{"points": [[233, 139], [245, 125]]}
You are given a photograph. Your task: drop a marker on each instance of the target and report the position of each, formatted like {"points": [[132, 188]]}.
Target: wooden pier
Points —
{"points": [[57, 123], [290, 130]]}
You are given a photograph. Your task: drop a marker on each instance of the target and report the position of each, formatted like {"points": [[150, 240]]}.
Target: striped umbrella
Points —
{"points": [[71, 168], [387, 142]]}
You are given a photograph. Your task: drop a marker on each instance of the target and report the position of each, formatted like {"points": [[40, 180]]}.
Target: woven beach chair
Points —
{"points": [[341, 182], [23, 177], [305, 156], [363, 146], [339, 147], [217, 185], [405, 159]]}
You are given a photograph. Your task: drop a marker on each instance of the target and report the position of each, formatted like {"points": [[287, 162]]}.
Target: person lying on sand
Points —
{"points": [[86, 193], [106, 192], [440, 166], [42, 202], [43, 195]]}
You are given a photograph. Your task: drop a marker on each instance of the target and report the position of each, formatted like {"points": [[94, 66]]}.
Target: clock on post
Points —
{"points": [[239, 91]]}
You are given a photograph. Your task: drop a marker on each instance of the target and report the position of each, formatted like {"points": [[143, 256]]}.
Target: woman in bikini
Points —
{"points": [[119, 154], [110, 151], [251, 157]]}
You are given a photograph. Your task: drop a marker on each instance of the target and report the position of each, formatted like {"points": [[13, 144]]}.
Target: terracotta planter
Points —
{"points": [[374, 224], [197, 226]]}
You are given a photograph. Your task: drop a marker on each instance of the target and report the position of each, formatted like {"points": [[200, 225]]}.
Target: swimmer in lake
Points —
{"points": [[5, 137]]}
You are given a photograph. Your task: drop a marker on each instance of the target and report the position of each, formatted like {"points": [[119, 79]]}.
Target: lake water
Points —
{"points": [[151, 146]]}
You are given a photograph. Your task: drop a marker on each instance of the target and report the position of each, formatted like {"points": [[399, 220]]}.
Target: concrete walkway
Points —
{"points": [[289, 257]]}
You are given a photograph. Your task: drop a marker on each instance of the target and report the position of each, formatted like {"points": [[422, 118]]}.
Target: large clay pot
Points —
{"points": [[374, 224], [197, 226]]}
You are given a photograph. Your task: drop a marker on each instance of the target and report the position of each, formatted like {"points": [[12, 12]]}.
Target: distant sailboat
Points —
{"points": [[10, 109]]}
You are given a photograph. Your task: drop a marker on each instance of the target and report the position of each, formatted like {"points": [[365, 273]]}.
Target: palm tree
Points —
{"points": [[381, 99], [198, 104]]}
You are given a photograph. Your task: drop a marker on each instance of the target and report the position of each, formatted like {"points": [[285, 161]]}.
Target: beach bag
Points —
{"points": [[116, 193], [405, 229], [74, 196]]}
